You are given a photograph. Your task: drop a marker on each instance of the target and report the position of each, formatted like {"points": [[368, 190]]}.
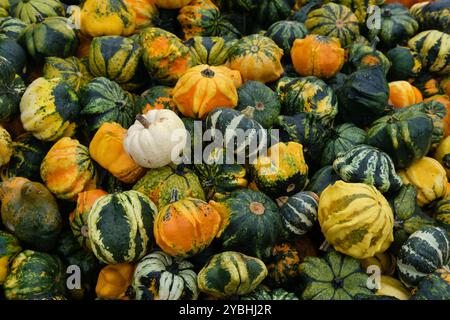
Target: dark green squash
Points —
{"points": [[361, 56], [405, 64], [364, 96], [425, 251], [405, 135], [28, 153], [12, 88], [437, 112], [53, 37], [284, 267], [341, 139], [433, 287], [397, 25], [259, 102], [322, 179], [14, 53], [271, 11], [299, 212], [432, 15], [441, 213], [307, 94], [35, 276], [307, 130], [72, 254], [262, 293], [333, 277], [254, 223], [103, 100], [9, 249], [369, 165], [11, 28], [213, 51], [73, 71], [284, 33]]}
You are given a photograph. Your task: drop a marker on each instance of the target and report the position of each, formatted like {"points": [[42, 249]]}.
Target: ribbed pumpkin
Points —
{"points": [[428, 85], [6, 147], [237, 124], [26, 158], [425, 251], [429, 177], [165, 56], [9, 248], [405, 135], [257, 58], [231, 273], [437, 112], [72, 70], [282, 172], [445, 101], [67, 169], [334, 20], [35, 276], [299, 212], [332, 277], [434, 286], [283, 268], [31, 11], [146, 12], [49, 108], [403, 94], [12, 88], [79, 217], [372, 221], [259, 102], [342, 138], [103, 101], [307, 94], [432, 15], [405, 64], [14, 53], [106, 148], [318, 56], [171, 4], [213, 51], [396, 25], [157, 97], [53, 37], [114, 57], [160, 184], [363, 96], [114, 280], [252, 222], [433, 48], [203, 18], [186, 227], [369, 165], [107, 17], [202, 89], [125, 215], [285, 32], [160, 277], [11, 28], [30, 212], [306, 129], [442, 154]]}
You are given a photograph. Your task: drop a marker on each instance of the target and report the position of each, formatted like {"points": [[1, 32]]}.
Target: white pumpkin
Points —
{"points": [[156, 138]]}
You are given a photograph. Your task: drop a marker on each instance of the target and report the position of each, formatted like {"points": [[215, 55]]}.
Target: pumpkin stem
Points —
{"points": [[249, 112], [324, 246], [282, 200], [208, 73], [175, 196], [143, 121], [257, 208]]}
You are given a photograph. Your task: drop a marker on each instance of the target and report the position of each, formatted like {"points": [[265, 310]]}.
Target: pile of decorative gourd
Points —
{"points": [[93, 208]]}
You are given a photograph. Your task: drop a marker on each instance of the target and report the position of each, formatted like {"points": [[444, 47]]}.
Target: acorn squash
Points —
{"points": [[405, 64], [72, 70], [32, 11]]}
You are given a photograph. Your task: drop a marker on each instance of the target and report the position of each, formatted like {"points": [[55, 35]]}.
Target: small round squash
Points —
{"points": [[6, 147], [403, 94], [114, 281], [429, 177], [202, 89], [72, 70], [68, 170], [9, 248], [299, 212], [356, 219], [146, 12], [107, 149], [257, 58], [318, 56]]}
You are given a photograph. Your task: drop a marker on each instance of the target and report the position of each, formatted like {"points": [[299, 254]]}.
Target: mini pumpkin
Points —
{"points": [[157, 97], [114, 281], [318, 56], [403, 94], [106, 148], [72, 70], [202, 89], [156, 138], [257, 58], [68, 170], [147, 13], [6, 147]]}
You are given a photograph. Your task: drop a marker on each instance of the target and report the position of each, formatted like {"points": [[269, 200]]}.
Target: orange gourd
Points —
{"points": [[146, 12], [113, 281], [202, 89], [106, 148], [318, 56], [185, 227], [171, 4], [403, 94], [68, 170]]}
